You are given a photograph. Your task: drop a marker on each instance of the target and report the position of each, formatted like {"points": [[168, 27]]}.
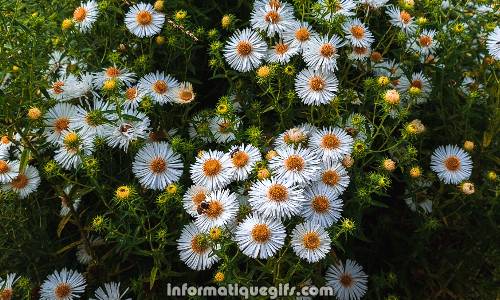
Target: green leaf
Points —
{"points": [[152, 277], [62, 224]]}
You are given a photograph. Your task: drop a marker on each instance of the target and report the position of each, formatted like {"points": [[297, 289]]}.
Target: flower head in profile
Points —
{"points": [[111, 291]]}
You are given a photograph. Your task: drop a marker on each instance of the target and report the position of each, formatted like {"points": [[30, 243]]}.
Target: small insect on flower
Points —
{"points": [[193, 200], [349, 281], [64, 284], [194, 249], [315, 87], [245, 50], [322, 205], [260, 237], [295, 165], [321, 52], [332, 144], [298, 35], [276, 198], [243, 159], [401, 19], [143, 21], [212, 170], [310, 241], [85, 15], [217, 210], [272, 19], [156, 165], [357, 33], [160, 87], [451, 164], [111, 291], [493, 43]]}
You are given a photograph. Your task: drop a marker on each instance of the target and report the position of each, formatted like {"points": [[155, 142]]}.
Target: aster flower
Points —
{"points": [[373, 4], [425, 44], [58, 119], [451, 164], [295, 136], [65, 209], [8, 170], [310, 241], [85, 15], [276, 198], [111, 291], [334, 8], [121, 75], [194, 249], [143, 21], [82, 255], [272, 19], [259, 237], [245, 50], [401, 19], [133, 97], [91, 121], [321, 52], [57, 63], [130, 126], [333, 176], [222, 209], [298, 166], [322, 205], [64, 285], [160, 87], [359, 53], [65, 88], [193, 197], [156, 165], [24, 183], [418, 85], [213, 169], [281, 53], [243, 160], [72, 147], [298, 35], [199, 127], [184, 93], [7, 286], [315, 87], [493, 43], [332, 144], [390, 69], [357, 33], [349, 281], [223, 129]]}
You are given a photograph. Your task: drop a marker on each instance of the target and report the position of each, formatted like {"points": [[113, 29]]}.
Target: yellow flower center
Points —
{"points": [[112, 72], [302, 34], [144, 18], [357, 31], [316, 83], [160, 87], [215, 209], [311, 240], [4, 167], [272, 17], [327, 50], [261, 233], [212, 167], [244, 48], [330, 177], [197, 244], [294, 163], [330, 141], [277, 193], [281, 48], [158, 165], [452, 163], [240, 159], [320, 204], [79, 14]]}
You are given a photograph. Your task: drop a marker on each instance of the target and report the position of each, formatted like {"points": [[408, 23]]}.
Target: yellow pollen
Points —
{"points": [[405, 17], [215, 209], [425, 40], [452, 163], [186, 95], [320, 204], [61, 124], [144, 18], [294, 163], [244, 48], [277, 192], [57, 87], [79, 14], [261, 233], [358, 31], [281, 48], [272, 17], [4, 167], [240, 159], [158, 165], [311, 240], [160, 87], [131, 93], [198, 198], [330, 177], [330, 141], [212, 167], [327, 50], [197, 246], [302, 34], [112, 72], [316, 83]]}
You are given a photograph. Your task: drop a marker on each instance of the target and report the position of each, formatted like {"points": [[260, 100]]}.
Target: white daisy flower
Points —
{"points": [[58, 119], [418, 85], [156, 165], [162, 88], [184, 93], [493, 43], [390, 69], [331, 9], [85, 15], [451, 164], [8, 170], [91, 121], [57, 63], [359, 53], [7, 286], [223, 129], [281, 53], [310, 241], [425, 205], [315, 87], [113, 73], [295, 136], [298, 35], [86, 86], [243, 160], [65, 88], [333, 176], [63, 285], [24, 183], [357, 33], [111, 291], [332, 144], [349, 281], [322, 205], [259, 237], [245, 50], [401, 19], [212, 169], [65, 209], [271, 19], [72, 148], [321, 52], [222, 209], [194, 249], [297, 166], [199, 127], [133, 97], [131, 126], [275, 198], [373, 4], [143, 21], [193, 197], [425, 44], [82, 255]]}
